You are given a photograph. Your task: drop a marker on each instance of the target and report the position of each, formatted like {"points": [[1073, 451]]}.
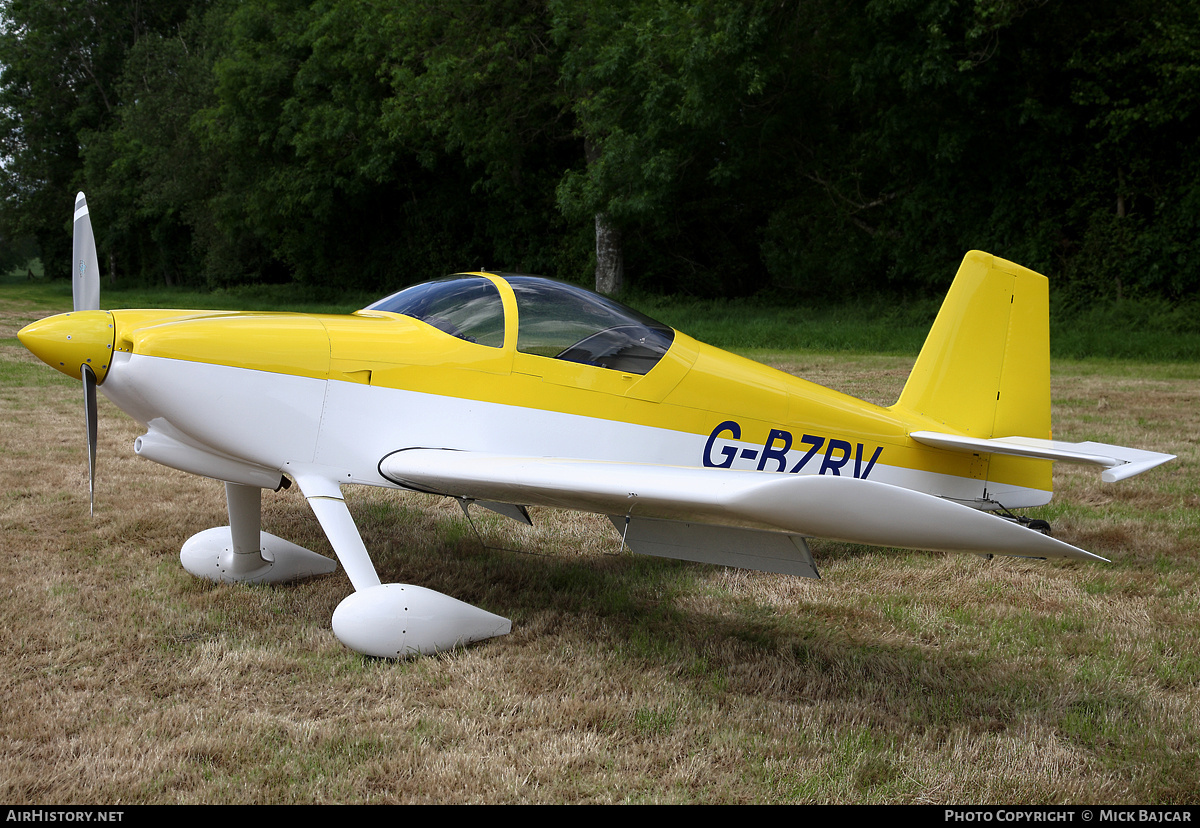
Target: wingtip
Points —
{"points": [[1083, 555]]}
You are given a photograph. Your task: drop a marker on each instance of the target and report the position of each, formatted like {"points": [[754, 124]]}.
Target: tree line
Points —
{"points": [[799, 149]]}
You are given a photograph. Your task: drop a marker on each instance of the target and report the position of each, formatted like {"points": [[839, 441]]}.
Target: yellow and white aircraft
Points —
{"points": [[510, 390]]}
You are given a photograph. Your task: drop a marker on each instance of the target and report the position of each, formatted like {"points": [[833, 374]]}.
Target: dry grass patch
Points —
{"points": [[899, 677]]}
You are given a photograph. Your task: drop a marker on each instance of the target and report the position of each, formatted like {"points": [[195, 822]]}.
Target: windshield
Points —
{"points": [[468, 307]]}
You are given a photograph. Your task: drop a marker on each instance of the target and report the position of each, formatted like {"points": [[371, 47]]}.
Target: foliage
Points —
{"points": [[62, 63], [835, 151]]}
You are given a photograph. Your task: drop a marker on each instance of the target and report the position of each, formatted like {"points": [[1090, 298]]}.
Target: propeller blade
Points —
{"points": [[89, 405], [85, 291], [85, 265]]}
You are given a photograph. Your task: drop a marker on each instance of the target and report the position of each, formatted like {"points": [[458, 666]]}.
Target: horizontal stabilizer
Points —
{"points": [[813, 506], [1120, 462]]}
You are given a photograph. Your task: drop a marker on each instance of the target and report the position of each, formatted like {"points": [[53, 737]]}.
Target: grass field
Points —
{"points": [[898, 677]]}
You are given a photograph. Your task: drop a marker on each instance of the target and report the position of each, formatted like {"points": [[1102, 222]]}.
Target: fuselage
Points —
{"points": [[273, 392]]}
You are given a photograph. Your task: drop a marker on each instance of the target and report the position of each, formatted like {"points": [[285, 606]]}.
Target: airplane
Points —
{"points": [[508, 391]]}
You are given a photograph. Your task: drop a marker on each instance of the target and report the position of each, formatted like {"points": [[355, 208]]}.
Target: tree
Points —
{"points": [[667, 96], [61, 66], [714, 147]]}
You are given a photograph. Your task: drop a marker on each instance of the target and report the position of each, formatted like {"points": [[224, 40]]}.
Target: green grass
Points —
{"points": [[1138, 330], [901, 677], [750, 324], [16, 290], [1142, 330]]}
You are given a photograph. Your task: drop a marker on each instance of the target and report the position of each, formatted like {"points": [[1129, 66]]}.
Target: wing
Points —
{"points": [[666, 502]]}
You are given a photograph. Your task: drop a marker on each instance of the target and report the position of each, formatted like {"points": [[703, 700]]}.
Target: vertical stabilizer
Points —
{"points": [[985, 367]]}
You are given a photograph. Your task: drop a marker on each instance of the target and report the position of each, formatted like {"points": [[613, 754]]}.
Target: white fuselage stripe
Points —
{"points": [[349, 427]]}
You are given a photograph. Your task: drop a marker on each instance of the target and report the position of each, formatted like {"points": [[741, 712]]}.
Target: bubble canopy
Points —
{"points": [[554, 319]]}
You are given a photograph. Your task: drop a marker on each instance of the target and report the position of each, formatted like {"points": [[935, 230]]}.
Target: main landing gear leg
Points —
{"points": [[1036, 524], [242, 552], [389, 620]]}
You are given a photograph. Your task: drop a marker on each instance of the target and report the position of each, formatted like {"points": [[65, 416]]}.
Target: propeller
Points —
{"points": [[85, 291]]}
